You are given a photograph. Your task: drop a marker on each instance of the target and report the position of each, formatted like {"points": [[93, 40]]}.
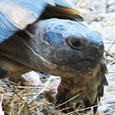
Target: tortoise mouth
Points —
{"points": [[85, 65], [87, 61]]}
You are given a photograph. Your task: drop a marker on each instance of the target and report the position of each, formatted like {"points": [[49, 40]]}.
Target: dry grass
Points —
{"points": [[19, 99]]}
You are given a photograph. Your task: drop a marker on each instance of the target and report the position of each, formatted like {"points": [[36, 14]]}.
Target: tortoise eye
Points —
{"points": [[75, 43]]}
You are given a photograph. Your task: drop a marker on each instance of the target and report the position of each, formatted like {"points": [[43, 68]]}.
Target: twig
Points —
{"points": [[108, 113], [80, 110], [76, 96], [109, 54], [111, 46], [26, 103]]}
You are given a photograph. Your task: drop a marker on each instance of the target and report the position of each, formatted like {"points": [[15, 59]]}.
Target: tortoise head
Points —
{"points": [[68, 44]]}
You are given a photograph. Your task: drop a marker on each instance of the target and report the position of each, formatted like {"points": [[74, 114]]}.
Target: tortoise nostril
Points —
{"points": [[75, 43]]}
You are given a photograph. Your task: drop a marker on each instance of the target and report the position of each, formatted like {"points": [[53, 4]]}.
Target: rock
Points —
{"points": [[31, 79], [111, 6]]}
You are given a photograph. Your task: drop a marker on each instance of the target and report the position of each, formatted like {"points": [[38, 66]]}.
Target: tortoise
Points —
{"points": [[49, 37]]}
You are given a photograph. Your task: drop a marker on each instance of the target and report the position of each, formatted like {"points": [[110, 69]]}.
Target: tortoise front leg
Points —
{"points": [[2, 72]]}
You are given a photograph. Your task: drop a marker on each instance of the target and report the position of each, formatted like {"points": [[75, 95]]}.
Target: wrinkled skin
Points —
{"points": [[59, 47]]}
